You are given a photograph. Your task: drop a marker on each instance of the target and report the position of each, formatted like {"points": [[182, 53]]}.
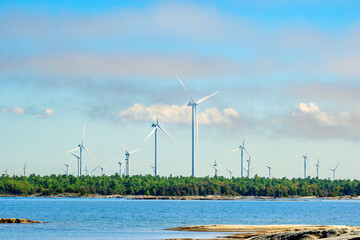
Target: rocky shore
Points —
{"points": [[278, 232], [17, 220]]}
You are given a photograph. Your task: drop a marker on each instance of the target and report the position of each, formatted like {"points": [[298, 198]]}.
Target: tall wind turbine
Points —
{"points": [[241, 148], [127, 158], [80, 157], [194, 121], [157, 126], [333, 170], [305, 157]]}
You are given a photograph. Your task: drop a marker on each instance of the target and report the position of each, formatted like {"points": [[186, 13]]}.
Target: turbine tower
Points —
{"points": [[269, 167], [80, 157], [305, 157], [317, 168], [127, 158], [194, 121], [157, 126], [241, 148], [333, 170]]}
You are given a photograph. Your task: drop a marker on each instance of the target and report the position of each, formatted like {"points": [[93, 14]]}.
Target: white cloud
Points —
{"points": [[178, 114], [14, 109], [308, 120], [48, 112]]}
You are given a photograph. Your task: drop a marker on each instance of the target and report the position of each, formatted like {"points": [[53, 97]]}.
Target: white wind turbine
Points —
{"points": [[127, 158], [241, 148], [305, 157], [157, 126], [216, 167], [67, 165], [194, 121], [334, 170], [120, 165], [24, 169], [230, 172], [269, 167], [80, 157]]}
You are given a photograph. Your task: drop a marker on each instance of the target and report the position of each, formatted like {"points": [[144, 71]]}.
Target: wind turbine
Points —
{"points": [[157, 126], [333, 170], [127, 158], [80, 157], [194, 121], [67, 165], [305, 157], [24, 168], [120, 164], [269, 167], [230, 172], [86, 170], [241, 148]]}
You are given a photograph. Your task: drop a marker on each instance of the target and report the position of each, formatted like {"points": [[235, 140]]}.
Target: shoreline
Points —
{"points": [[209, 197], [284, 232]]}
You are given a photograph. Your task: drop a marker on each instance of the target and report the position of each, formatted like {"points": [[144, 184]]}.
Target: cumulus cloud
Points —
{"points": [[178, 114], [48, 112], [308, 120]]}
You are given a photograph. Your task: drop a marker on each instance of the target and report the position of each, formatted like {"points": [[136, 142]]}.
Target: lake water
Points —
{"points": [[84, 218]]}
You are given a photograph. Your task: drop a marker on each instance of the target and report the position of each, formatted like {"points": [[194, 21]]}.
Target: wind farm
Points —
{"points": [[127, 119]]}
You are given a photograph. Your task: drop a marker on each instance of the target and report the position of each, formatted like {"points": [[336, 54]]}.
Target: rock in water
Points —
{"points": [[17, 220]]}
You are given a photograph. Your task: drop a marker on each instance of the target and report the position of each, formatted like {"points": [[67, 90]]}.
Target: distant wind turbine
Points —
{"points": [[24, 169], [157, 126], [101, 169], [305, 157], [333, 170], [120, 165], [80, 157], [194, 121], [269, 167], [241, 148], [127, 158]]}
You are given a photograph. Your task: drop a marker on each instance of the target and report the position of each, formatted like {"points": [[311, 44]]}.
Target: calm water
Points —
{"points": [[82, 218]]}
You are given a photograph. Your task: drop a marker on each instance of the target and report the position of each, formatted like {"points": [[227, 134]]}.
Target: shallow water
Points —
{"points": [[84, 218]]}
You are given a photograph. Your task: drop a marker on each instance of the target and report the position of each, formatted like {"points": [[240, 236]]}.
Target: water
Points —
{"points": [[83, 218]]}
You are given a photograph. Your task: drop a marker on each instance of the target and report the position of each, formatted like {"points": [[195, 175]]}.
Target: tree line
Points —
{"points": [[175, 186]]}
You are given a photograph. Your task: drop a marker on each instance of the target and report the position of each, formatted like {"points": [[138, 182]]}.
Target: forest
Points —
{"points": [[175, 186]]}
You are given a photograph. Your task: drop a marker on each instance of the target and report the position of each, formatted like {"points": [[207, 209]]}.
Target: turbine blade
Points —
{"points": [[122, 145], [336, 166], [91, 155], [236, 149], [134, 151], [192, 99], [308, 148], [166, 132], [73, 150], [82, 139], [205, 98], [150, 133]]}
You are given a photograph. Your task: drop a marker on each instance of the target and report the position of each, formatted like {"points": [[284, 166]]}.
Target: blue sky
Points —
{"points": [[288, 72]]}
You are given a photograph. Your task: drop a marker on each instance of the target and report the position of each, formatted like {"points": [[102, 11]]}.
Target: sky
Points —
{"points": [[287, 71]]}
